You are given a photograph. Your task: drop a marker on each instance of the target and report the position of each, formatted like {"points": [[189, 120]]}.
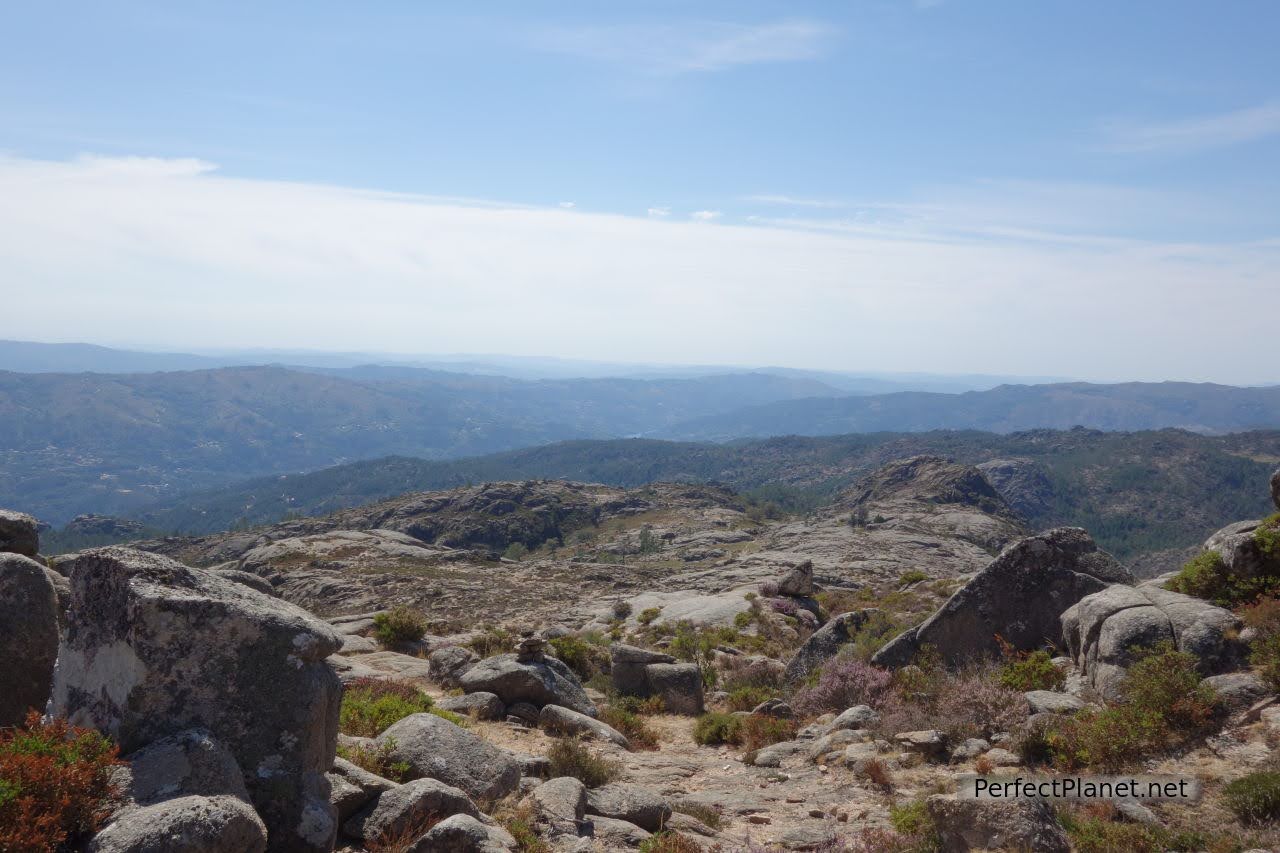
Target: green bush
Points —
{"points": [[630, 724], [1162, 705], [1207, 576], [913, 576], [371, 705], [1092, 834], [377, 760], [516, 551], [648, 615], [708, 816], [492, 641], [570, 758], [398, 625], [1034, 671], [1264, 652], [747, 698], [1254, 798], [585, 658], [669, 842], [912, 820], [758, 731], [715, 728]]}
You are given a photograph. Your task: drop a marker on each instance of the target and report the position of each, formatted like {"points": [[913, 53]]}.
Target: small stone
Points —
{"points": [[758, 819]]}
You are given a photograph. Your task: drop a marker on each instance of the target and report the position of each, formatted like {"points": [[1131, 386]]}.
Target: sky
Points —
{"points": [[1084, 189]]}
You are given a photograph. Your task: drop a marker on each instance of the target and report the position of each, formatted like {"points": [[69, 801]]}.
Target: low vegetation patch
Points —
{"points": [[1163, 705], [669, 842], [708, 816], [399, 625], [570, 758], [914, 827], [1207, 576], [55, 784], [1031, 671], [843, 683], [521, 822], [747, 698], [1264, 652], [587, 655], [371, 705], [1254, 798], [632, 725], [377, 760], [492, 641], [716, 728], [758, 731]]}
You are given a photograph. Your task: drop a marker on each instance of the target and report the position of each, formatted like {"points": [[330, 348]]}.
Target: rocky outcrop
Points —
{"points": [[562, 721], [798, 581], [631, 803], [190, 824], [824, 643], [627, 668], [1241, 552], [965, 824], [437, 749], [28, 637], [1103, 631], [539, 682], [103, 525], [559, 806], [1020, 597], [447, 664], [19, 533], [1275, 488], [154, 648], [679, 685], [481, 705], [402, 808]]}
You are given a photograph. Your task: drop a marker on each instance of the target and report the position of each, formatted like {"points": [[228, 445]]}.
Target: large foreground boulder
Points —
{"points": [[19, 533], [436, 748], [154, 648], [824, 643], [679, 685], [1103, 631], [539, 682], [1020, 597], [626, 668], [191, 824], [28, 637]]}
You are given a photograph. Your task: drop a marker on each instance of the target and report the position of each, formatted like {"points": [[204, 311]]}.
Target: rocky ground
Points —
{"points": [[837, 655]]}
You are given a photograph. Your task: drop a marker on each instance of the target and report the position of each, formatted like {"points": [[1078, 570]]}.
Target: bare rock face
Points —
{"points": [[192, 824], [679, 685], [798, 581], [28, 637], [1020, 596], [539, 682], [969, 824], [627, 668], [437, 749], [19, 533], [824, 643], [154, 648], [447, 664], [1103, 630]]}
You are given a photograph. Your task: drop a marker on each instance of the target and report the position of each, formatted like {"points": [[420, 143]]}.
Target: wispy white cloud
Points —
{"points": [[658, 211], [1194, 134], [792, 201], [164, 253], [691, 46], [705, 215], [568, 205]]}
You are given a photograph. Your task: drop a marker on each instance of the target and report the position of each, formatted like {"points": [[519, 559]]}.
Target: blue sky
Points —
{"points": [[909, 174]]}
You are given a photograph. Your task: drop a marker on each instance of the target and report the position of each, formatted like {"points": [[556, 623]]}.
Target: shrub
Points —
{"points": [[911, 818], [843, 683], [913, 576], [878, 630], [521, 821], [648, 615], [743, 619], [583, 657], [1165, 681], [377, 760], [1207, 576], [1109, 740], [669, 842], [758, 731], [516, 551], [1034, 671], [1264, 652], [492, 641], [878, 773], [630, 724], [1100, 834], [649, 705], [1268, 538], [709, 816], [570, 758], [621, 609], [371, 705], [1254, 798], [715, 728], [398, 625], [743, 671], [55, 784], [747, 698]]}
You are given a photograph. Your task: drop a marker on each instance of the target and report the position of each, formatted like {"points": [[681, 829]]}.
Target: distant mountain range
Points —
{"points": [[1199, 407], [112, 442]]}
